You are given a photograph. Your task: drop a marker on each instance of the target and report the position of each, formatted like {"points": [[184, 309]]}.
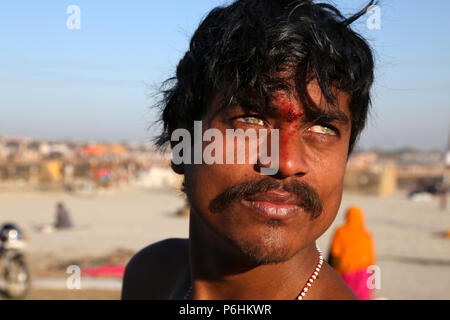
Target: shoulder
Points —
{"points": [[155, 270], [332, 286]]}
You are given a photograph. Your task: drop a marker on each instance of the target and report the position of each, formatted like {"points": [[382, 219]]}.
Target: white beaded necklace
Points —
{"points": [[305, 289]]}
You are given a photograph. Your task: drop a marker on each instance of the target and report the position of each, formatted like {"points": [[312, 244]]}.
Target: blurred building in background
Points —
{"points": [[70, 166], [382, 173], [83, 166], [368, 173]]}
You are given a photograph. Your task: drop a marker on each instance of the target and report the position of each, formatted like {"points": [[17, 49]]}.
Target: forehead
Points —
{"points": [[279, 101]]}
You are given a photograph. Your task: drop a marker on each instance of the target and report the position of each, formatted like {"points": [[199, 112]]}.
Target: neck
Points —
{"points": [[219, 270]]}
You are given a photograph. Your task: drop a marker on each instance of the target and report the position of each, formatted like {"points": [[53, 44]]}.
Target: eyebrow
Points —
{"points": [[327, 115], [251, 104], [317, 114]]}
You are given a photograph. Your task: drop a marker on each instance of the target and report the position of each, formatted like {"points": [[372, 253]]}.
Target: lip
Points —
{"points": [[273, 205]]}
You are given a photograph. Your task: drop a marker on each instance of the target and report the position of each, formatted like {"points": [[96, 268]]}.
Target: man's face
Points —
{"points": [[270, 224]]}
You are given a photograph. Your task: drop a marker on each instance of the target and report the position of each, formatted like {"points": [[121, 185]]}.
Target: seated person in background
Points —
{"points": [[63, 220]]}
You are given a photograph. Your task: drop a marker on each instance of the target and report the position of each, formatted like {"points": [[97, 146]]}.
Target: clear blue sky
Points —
{"points": [[93, 83]]}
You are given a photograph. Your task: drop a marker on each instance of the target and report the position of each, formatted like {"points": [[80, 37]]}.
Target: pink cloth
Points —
{"points": [[106, 270], [357, 281]]}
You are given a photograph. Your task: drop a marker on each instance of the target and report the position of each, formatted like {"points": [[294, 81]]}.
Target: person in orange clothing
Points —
{"points": [[352, 251]]}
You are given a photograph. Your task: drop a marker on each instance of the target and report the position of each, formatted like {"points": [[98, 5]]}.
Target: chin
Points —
{"points": [[267, 247], [262, 256]]}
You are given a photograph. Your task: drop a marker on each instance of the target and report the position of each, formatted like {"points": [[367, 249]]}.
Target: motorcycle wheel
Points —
{"points": [[17, 278]]}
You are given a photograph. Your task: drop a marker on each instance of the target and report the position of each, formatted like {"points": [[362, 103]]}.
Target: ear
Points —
{"points": [[172, 125], [177, 168]]}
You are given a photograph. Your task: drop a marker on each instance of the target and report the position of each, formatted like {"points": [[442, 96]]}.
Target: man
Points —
{"points": [[293, 68]]}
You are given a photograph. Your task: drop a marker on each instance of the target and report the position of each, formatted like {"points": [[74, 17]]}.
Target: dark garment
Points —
{"points": [[63, 219]]}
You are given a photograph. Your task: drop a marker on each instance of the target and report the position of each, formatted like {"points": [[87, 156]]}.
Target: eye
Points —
{"points": [[251, 120], [323, 130]]}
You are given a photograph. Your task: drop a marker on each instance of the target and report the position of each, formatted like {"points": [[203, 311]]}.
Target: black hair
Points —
{"points": [[246, 45]]}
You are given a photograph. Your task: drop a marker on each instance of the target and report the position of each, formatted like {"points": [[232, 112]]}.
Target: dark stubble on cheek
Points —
{"points": [[270, 248]]}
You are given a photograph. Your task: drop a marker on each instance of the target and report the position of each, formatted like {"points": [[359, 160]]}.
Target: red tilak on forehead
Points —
{"points": [[291, 112], [291, 115]]}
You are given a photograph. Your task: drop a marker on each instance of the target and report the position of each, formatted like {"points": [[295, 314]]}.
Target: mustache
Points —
{"points": [[307, 196]]}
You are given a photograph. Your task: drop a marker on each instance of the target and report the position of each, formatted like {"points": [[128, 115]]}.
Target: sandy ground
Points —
{"points": [[73, 295], [414, 260]]}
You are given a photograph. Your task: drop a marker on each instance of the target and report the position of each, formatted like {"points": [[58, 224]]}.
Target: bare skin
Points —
{"points": [[236, 254], [148, 277]]}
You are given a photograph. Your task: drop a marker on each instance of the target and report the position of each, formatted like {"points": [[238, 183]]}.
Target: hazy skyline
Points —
{"points": [[93, 83]]}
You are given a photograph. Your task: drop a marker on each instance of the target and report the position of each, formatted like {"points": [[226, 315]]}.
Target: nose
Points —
{"points": [[292, 154], [287, 155]]}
